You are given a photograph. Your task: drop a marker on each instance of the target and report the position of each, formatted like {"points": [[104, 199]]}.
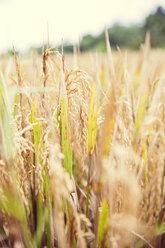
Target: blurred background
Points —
{"points": [[28, 24]]}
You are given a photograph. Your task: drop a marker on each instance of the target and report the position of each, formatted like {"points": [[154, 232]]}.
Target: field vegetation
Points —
{"points": [[82, 149]]}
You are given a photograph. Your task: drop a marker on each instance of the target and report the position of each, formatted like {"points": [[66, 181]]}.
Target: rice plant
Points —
{"points": [[82, 161]]}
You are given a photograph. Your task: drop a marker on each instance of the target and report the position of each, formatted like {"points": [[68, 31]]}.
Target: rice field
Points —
{"points": [[82, 149]]}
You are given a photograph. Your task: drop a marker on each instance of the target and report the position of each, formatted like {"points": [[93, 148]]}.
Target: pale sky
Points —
{"points": [[24, 22]]}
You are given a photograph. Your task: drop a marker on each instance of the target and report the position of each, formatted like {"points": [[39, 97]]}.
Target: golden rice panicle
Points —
{"points": [[152, 138], [23, 164], [153, 193], [79, 93], [78, 89], [123, 195], [4, 176], [124, 126]]}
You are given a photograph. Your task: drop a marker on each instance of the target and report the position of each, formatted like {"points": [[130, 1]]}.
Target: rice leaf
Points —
{"points": [[92, 123], [36, 129], [140, 114], [41, 216], [11, 207], [103, 221], [66, 136], [145, 159]]}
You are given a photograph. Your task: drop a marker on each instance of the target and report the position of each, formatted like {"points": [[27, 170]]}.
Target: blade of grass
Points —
{"points": [[92, 123], [66, 140], [103, 222]]}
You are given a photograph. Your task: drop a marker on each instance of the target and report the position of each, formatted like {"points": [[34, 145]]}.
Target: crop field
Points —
{"points": [[82, 149]]}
